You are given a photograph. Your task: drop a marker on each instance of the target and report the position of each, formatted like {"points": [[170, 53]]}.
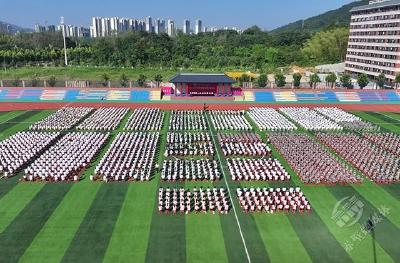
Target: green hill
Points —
{"points": [[339, 17]]}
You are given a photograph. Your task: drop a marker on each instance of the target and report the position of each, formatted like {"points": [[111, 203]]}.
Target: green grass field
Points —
{"points": [[119, 222]]}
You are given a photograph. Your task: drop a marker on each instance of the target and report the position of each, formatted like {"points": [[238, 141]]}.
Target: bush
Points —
{"points": [[380, 80], [346, 81], [141, 80], [16, 82], [296, 79], [331, 79], [158, 78], [314, 79], [123, 80], [34, 81], [362, 80], [52, 81], [262, 80], [280, 80], [105, 79]]}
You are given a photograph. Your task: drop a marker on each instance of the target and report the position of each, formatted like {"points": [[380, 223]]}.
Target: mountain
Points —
{"points": [[12, 29], [339, 17]]}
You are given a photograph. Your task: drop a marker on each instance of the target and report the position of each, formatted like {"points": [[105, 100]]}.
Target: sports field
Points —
{"points": [[119, 222]]}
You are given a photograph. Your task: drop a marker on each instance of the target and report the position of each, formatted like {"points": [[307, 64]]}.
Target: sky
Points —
{"points": [[267, 14]]}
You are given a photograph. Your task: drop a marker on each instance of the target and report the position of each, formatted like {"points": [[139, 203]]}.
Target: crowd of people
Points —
{"points": [[65, 160], [205, 149], [346, 119], [243, 144], [104, 119], [248, 137], [257, 170], [187, 120], [130, 157], [199, 200], [189, 144], [21, 148], [259, 149], [230, 120], [145, 119], [190, 170], [375, 162], [272, 200], [310, 120], [63, 119], [311, 161], [188, 137], [270, 119], [388, 141]]}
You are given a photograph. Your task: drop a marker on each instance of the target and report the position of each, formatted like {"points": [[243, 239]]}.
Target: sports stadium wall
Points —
{"points": [[144, 95], [54, 98]]}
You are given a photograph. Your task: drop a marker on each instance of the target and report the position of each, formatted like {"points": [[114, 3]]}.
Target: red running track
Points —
{"points": [[12, 106]]}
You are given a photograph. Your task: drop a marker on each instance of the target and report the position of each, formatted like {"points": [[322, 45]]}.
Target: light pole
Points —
{"points": [[65, 44]]}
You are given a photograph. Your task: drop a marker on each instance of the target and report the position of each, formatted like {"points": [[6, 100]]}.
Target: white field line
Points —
{"points": [[229, 192]]}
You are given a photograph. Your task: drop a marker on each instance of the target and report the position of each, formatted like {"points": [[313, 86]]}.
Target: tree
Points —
{"points": [[397, 80], [296, 79], [314, 80], [331, 79], [141, 80], [280, 80], [52, 81], [16, 82], [105, 79], [244, 79], [123, 80], [34, 81], [380, 80], [346, 81], [326, 47], [262, 80], [362, 80], [158, 79]]}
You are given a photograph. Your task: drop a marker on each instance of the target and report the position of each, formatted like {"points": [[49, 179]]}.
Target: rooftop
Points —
{"points": [[201, 78], [376, 5]]}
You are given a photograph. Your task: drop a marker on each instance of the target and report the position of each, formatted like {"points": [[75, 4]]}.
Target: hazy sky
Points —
{"points": [[267, 14]]}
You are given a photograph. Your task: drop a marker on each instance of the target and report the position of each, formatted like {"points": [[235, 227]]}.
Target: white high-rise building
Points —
{"points": [[198, 26], [171, 28], [162, 29], [186, 27], [159, 26], [374, 39], [114, 25], [105, 27], [149, 24], [96, 27]]}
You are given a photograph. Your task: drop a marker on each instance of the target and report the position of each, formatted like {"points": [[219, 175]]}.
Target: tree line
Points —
{"points": [[254, 49]]}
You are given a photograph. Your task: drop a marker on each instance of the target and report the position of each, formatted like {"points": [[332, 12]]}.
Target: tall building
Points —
{"points": [[171, 28], [149, 24], [114, 25], [39, 28], [198, 26], [51, 28], [159, 26], [105, 27], [96, 27], [186, 27], [162, 29], [374, 39]]}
